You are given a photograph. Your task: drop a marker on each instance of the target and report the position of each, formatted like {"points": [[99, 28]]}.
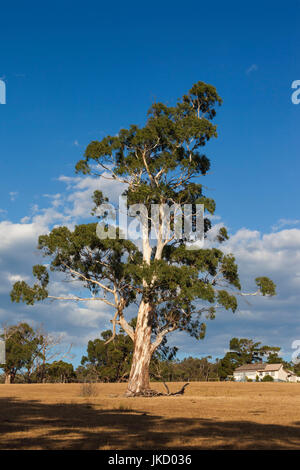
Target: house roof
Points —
{"points": [[290, 372], [252, 367], [259, 367], [270, 367]]}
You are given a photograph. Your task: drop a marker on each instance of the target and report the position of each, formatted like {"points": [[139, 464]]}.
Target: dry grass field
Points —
{"points": [[209, 416]]}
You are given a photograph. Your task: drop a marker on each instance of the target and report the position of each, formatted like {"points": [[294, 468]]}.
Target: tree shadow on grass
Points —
{"points": [[35, 425]]}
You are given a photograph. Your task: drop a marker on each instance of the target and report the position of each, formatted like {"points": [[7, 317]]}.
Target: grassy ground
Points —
{"points": [[209, 416]]}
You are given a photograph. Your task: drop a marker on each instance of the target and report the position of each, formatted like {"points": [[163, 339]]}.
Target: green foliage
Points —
{"points": [[60, 371], [271, 355], [249, 351], [222, 235], [226, 366], [22, 347], [171, 128], [267, 378], [266, 286], [295, 368], [109, 362], [227, 301], [186, 370], [24, 293]]}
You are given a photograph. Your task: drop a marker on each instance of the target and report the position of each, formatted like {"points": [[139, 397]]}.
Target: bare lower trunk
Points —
{"points": [[139, 380], [8, 378]]}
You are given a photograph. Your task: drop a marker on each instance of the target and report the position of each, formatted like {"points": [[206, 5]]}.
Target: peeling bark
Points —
{"points": [[139, 380], [7, 378]]}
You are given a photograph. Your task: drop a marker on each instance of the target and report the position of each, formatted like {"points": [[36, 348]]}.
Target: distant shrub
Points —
{"points": [[88, 389], [267, 378], [249, 380], [257, 378]]}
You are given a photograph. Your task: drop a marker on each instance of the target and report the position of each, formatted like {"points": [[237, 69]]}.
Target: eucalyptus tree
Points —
{"points": [[160, 164], [22, 345]]}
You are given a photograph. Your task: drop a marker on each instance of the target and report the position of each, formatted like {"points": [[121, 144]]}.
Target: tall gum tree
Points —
{"points": [[173, 286]]}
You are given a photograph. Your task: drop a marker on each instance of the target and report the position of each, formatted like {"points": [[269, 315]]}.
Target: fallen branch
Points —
{"points": [[181, 391], [154, 393]]}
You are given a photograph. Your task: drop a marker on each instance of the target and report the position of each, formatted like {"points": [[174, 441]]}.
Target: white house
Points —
{"points": [[260, 369]]}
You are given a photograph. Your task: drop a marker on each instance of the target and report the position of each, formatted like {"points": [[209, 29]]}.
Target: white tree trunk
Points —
{"points": [[8, 378], [139, 380]]}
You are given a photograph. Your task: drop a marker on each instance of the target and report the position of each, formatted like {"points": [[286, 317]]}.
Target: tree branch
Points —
{"points": [[126, 327], [160, 336], [77, 299], [103, 286]]}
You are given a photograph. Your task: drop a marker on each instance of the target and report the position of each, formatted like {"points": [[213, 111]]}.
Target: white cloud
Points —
{"points": [[13, 195], [17, 277], [56, 199], [81, 191], [14, 234], [285, 223], [252, 68]]}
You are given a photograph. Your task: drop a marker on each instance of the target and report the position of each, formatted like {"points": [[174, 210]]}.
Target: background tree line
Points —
{"points": [[34, 356]]}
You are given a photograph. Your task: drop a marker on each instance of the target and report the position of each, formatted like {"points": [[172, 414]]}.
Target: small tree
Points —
{"points": [[50, 348], [161, 163], [247, 351], [22, 347], [295, 368], [110, 362], [60, 371]]}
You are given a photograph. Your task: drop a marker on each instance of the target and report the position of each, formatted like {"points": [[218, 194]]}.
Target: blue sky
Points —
{"points": [[76, 71]]}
